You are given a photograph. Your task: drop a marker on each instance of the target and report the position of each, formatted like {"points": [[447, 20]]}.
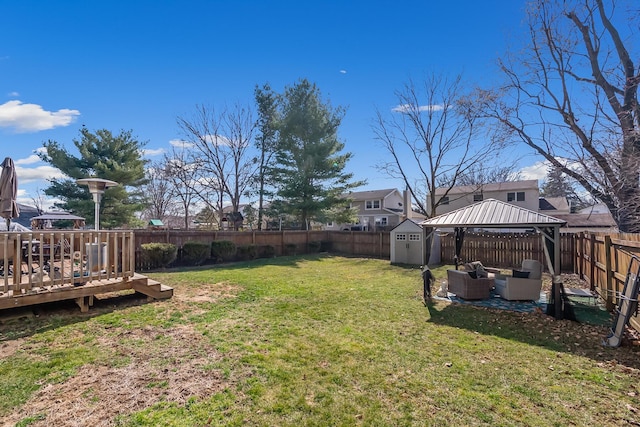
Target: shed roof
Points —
{"points": [[408, 224], [492, 213]]}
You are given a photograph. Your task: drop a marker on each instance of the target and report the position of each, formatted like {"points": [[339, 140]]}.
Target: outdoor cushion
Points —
{"points": [[521, 274]]}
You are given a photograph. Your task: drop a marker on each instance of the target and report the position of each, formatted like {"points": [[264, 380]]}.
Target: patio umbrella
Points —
{"points": [[8, 191]]}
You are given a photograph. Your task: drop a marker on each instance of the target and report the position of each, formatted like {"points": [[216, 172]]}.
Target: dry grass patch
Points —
{"points": [[152, 365]]}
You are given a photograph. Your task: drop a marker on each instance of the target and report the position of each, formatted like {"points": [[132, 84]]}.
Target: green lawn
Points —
{"points": [[315, 341]]}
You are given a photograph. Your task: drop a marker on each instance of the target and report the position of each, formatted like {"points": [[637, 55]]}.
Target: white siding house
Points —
{"points": [[376, 210], [524, 194]]}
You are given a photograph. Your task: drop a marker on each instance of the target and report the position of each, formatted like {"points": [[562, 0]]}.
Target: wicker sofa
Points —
{"points": [[466, 287]]}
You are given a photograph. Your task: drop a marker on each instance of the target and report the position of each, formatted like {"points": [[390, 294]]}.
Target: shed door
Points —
{"points": [[409, 248]]}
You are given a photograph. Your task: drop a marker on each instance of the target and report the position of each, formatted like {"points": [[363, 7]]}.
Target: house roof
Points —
{"points": [[531, 184], [492, 213], [588, 220], [371, 194], [156, 222], [554, 203]]}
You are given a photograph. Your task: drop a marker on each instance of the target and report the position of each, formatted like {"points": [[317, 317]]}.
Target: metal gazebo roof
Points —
{"points": [[492, 213], [55, 216]]}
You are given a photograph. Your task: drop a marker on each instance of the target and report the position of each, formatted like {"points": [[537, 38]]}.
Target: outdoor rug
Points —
{"points": [[494, 301]]}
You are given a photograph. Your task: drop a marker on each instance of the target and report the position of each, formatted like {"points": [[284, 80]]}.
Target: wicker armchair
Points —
{"points": [[466, 287], [515, 288]]}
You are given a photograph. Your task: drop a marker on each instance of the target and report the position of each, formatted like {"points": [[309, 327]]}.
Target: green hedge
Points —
{"points": [[267, 251], [247, 252], [158, 255], [314, 246], [290, 249], [195, 253], [223, 250]]}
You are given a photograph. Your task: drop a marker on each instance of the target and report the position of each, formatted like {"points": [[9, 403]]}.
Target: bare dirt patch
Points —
{"points": [[175, 370], [162, 365]]}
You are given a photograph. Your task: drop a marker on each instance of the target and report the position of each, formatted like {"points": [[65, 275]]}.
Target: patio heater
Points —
{"points": [[96, 188], [97, 251]]}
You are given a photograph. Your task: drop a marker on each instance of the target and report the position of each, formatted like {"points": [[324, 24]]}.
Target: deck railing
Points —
{"points": [[47, 259]]}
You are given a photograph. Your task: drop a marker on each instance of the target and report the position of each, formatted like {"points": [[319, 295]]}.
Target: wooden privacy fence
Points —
{"points": [[506, 250], [362, 243], [602, 260]]}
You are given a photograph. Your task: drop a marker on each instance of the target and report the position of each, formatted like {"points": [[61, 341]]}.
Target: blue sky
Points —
{"points": [[137, 65]]}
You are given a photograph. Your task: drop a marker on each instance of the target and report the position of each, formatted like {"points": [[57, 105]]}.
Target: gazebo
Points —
{"points": [[46, 220], [496, 214]]}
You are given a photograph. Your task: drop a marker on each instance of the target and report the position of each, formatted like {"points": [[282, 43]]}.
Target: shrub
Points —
{"points": [[247, 252], [267, 251], [326, 246], [223, 250], [314, 246], [158, 255], [290, 249], [195, 253]]}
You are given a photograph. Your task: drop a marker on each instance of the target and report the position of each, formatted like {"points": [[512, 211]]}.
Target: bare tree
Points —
{"points": [[181, 170], [38, 200], [432, 138], [158, 191], [221, 144], [482, 173], [571, 96]]}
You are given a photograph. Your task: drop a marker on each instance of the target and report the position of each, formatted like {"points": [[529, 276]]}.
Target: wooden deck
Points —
{"points": [[47, 266]]}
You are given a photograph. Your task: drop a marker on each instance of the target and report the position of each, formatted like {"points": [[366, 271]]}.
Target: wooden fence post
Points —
{"points": [[592, 260], [609, 274]]}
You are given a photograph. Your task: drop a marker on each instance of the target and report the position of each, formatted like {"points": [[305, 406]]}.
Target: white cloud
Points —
{"points": [[406, 108], [538, 170], [153, 152], [34, 158], [13, 94], [33, 118], [343, 71], [39, 173], [217, 140], [179, 143], [27, 199]]}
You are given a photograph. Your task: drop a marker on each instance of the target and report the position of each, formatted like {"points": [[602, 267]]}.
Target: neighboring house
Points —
{"points": [[26, 213], [377, 210], [558, 205], [232, 220], [524, 194], [594, 218]]}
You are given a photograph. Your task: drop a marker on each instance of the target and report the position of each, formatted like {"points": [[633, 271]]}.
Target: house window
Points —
{"points": [[372, 204], [330, 224], [477, 197], [381, 221], [414, 237], [401, 237], [519, 196], [444, 200]]}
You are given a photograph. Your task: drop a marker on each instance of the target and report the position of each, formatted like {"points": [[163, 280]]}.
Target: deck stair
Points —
{"points": [[84, 294]]}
